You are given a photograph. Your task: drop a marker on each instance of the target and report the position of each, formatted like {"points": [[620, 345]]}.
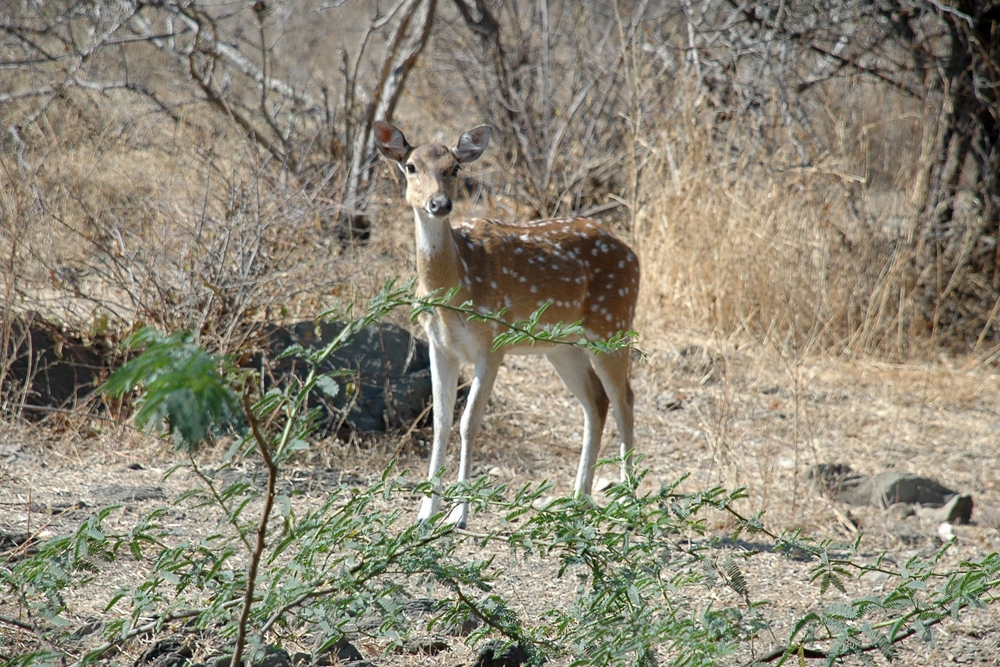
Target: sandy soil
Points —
{"points": [[757, 418]]}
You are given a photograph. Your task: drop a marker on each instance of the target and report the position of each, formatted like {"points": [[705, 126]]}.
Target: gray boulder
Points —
{"points": [[892, 488], [389, 381]]}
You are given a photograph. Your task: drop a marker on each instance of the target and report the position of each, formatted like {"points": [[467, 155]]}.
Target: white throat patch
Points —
{"points": [[432, 233]]}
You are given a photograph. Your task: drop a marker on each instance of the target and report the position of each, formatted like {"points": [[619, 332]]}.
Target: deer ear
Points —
{"points": [[391, 142], [472, 144]]}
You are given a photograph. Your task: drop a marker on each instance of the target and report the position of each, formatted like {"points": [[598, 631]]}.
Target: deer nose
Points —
{"points": [[439, 205]]}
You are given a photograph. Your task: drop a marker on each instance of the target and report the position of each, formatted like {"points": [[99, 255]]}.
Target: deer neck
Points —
{"points": [[437, 255]]}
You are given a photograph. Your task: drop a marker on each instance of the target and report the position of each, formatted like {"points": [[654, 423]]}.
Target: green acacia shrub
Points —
{"points": [[270, 572]]}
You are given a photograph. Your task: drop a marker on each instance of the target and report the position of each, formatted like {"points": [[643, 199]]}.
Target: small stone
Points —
{"points": [[543, 502], [957, 510], [498, 654], [342, 652], [425, 646], [603, 484], [945, 532], [668, 400]]}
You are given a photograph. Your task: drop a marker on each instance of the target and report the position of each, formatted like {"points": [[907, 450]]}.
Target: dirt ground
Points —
{"points": [[726, 415]]}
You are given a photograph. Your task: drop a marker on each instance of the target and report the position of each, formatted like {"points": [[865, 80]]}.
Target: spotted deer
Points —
{"points": [[580, 269]]}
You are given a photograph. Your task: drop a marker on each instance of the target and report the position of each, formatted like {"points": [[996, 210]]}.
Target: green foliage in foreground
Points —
{"points": [[644, 582]]}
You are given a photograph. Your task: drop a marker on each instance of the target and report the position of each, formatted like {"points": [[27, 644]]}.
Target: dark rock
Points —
{"points": [[958, 510], [901, 487], [499, 653], [425, 646], [419, 606], [338, 653], [352, 230], [55, 367], [171, 652], [463, 629], [275, 657], [389, 372], [839, 482], [12, 540]]}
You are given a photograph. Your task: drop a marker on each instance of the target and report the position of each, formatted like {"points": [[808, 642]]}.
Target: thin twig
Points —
{"points": [[265, 515]]}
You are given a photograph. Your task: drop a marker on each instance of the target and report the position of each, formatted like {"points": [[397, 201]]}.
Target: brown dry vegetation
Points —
{"points": [[787, 250]]}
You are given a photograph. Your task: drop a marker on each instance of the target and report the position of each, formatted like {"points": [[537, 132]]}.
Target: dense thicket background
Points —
{"points": [[820, 174]]}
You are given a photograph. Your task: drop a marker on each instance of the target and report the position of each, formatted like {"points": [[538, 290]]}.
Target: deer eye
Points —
{"points": [[411, 168]]}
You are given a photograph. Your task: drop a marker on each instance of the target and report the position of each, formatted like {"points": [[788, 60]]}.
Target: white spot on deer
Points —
{"points": [[534, 289], [593, 308], [608, 317], [555, 267], [518, 250], [541, 302], [595, 251], [479, 279], [469, 245], [522, 279], [601, 298], [610, 286], [611, 276], [621, 264], [482, 310], [493, 284], [507, 302]]}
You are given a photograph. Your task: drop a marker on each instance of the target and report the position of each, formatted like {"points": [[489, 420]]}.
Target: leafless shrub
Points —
{"points": [[781, 169], [174, 162]]}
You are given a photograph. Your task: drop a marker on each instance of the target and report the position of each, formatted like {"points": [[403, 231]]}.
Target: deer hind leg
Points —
{"points": [[444, 386], [479, 394], [612, 368], [574, 368]]}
